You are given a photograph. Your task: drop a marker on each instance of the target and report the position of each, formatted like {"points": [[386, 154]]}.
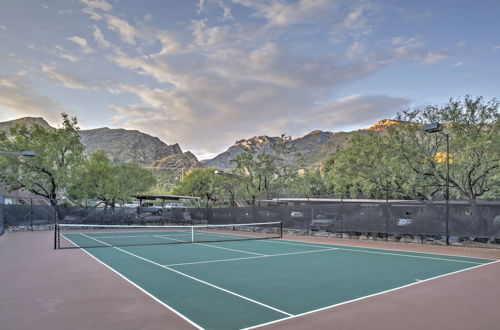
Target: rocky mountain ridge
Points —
{"points": [[121, 145], [313, 147]]}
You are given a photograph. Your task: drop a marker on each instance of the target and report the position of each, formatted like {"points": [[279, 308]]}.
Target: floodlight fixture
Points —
{"points": [[433, 128], [26, 153]]}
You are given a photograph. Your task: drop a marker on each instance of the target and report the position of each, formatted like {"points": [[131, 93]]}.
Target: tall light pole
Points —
{"points": [[438, 128]]}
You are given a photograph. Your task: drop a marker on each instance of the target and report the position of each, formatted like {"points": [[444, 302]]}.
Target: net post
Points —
{"points": [[55, 236], [192, 234], [281, 229]]}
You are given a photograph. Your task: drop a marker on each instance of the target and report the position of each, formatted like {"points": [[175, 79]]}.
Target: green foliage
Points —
{"points": [[410, 163], [203, 183], [97, 178], [266, 172], [58, 152]]}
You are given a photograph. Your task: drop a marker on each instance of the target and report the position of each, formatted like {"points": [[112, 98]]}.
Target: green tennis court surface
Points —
{"points": [[243, 284]]}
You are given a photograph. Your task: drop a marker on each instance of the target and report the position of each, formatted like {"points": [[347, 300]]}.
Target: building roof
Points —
{"points": [[164, 197]]}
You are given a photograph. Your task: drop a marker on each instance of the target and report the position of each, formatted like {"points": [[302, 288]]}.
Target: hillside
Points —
{"points": [[121, 145], [28, 121], [314, 147], [172, 168]]}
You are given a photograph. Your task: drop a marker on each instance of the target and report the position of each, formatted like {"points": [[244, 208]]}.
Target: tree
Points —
{"points": [[265, 172], [408, 162], [58, 152], [132, 179], [474, 128], [370, 167], [97, 178], [201, 182]]}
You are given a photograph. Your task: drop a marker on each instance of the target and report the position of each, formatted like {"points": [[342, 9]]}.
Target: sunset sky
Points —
{"points": [[206, 73]]}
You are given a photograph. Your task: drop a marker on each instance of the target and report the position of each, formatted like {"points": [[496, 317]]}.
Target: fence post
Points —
{"points": [[2, 223], [387, 220], [308, 225], [31, 214], [86, 212]]}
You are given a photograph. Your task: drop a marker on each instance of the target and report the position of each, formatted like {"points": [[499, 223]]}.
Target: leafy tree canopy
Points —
{"points": [[410, 163], [97, 178], [58, 152]]}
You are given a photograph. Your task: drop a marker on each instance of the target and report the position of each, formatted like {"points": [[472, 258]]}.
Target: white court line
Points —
{"points": [[128, 232], [132, 236], [369, 296], [223, 248], [376, 248], [214, 246], [138, 287], [244, 258], [195, 279], [395, 254]]}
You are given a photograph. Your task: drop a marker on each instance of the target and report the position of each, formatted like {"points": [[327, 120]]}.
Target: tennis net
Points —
{"points": [[89, 236]]}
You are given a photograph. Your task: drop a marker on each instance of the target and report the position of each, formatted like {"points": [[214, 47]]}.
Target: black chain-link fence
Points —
{"points": [[397, 219]]}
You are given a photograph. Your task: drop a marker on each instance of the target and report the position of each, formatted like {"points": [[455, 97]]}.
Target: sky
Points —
{"points": [[206, 73]]}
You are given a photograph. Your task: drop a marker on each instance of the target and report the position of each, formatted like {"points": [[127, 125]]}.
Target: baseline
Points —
{"points": [[396, 254], [369, 296]]}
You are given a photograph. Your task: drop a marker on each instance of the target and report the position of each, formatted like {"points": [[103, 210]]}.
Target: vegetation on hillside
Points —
{"points": [[395, 159], [61, 170], [398, 160]]}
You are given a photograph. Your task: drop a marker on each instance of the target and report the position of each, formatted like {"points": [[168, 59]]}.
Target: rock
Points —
{"points": [[391, 238], [406, 239], [123, 146]]}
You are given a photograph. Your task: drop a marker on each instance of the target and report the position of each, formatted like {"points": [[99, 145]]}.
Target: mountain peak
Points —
{"points": [[28, 121], [255, 141], [383, 124], [314, 132]]}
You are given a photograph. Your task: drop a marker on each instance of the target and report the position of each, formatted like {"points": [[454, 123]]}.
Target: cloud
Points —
{"points": [[265, 91], [356, 49], [93, 7], [126, 32], [99, 38], [431, 57], [202, 8], [415, 48], [497, 47], [354, 110], [281, 13], [82, 42], [19, 99], [66, 79], [354, 24], [458, 64], [209, 36]]}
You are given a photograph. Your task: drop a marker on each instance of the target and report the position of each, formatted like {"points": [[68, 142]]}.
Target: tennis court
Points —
{"points": [[224, 279]]}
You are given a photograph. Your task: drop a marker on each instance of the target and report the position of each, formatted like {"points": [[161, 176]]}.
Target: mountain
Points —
{"points": [[28, 121], [121, 145], [172, 168], [313, 147]]}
